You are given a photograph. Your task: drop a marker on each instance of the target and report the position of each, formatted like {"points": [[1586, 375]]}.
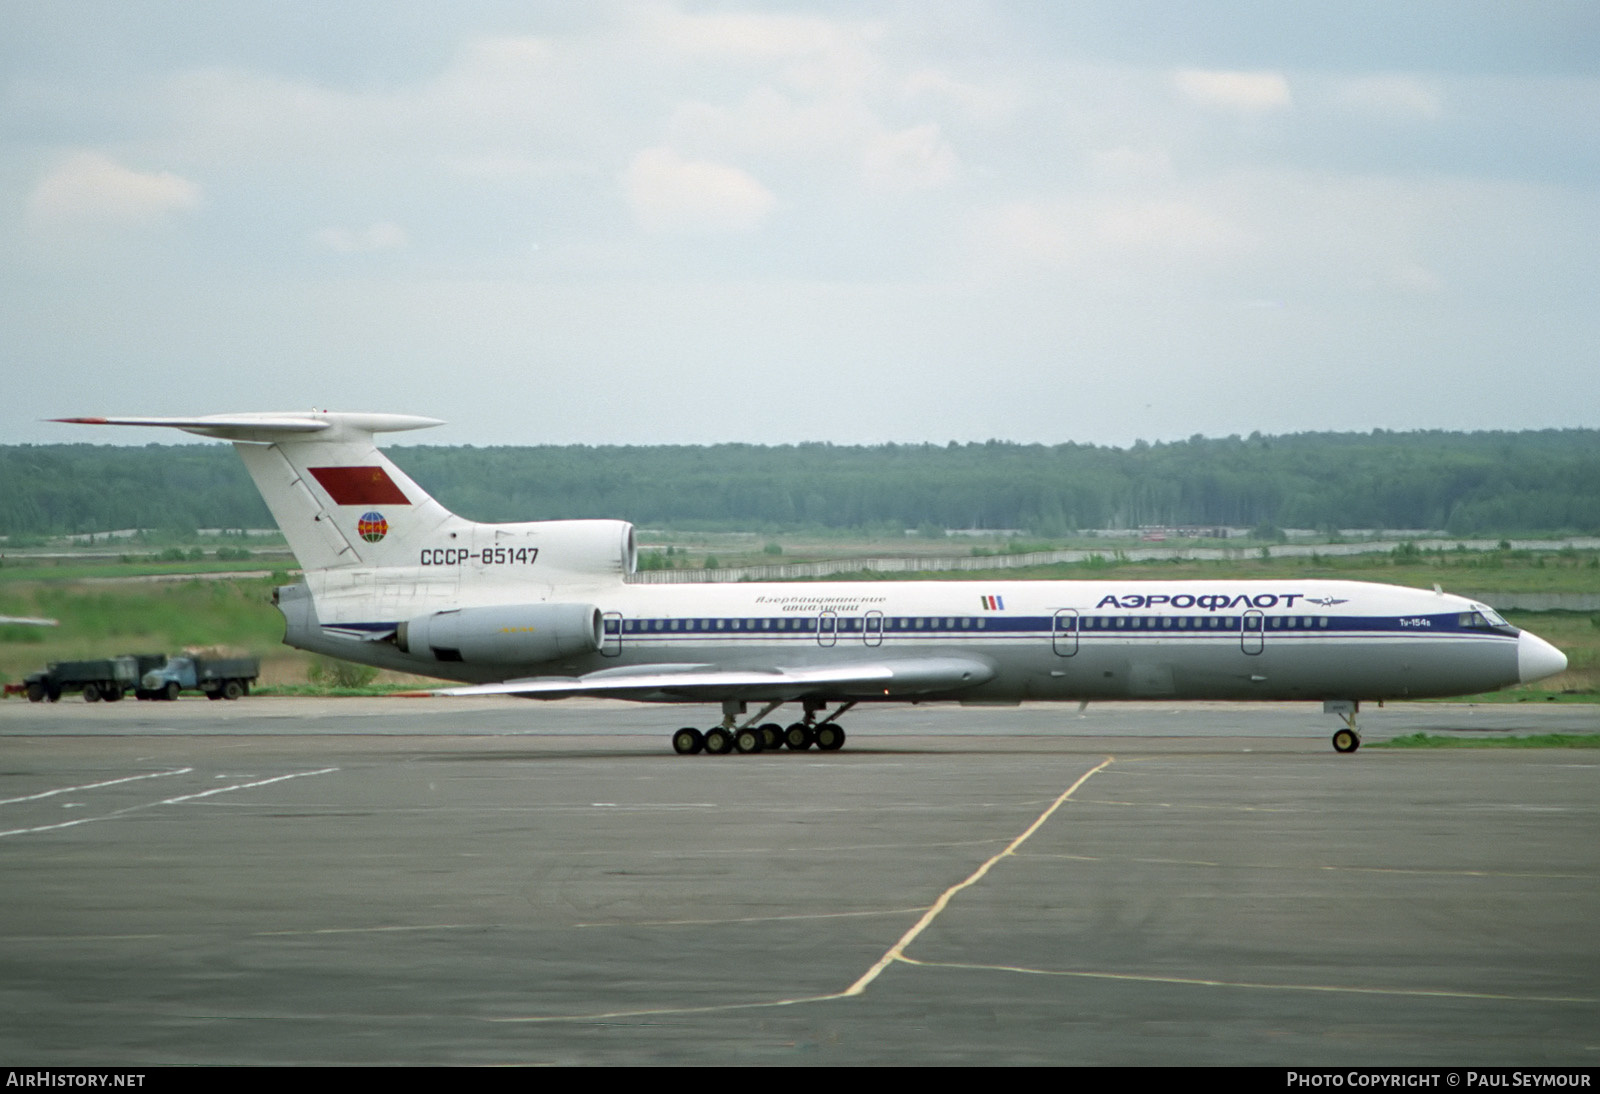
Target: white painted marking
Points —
{"points": [[167, 801], [246, 786], [95, 786], [1206, 982], [377, 930], [749, 919], [811, 849]]}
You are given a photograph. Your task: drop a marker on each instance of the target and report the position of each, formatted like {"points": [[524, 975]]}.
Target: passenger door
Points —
{"points": [[1064, 632]]}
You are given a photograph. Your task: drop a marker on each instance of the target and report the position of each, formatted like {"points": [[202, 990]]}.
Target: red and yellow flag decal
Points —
{"points": [[359, 486]]}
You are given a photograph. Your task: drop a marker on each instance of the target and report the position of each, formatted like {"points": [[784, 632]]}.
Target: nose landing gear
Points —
{"points": [[1347, 739]]}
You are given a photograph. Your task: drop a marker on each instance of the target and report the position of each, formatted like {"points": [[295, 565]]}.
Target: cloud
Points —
{"points": [[1124, 164], [1399, 97], [1412, 277], [670, 194], [1102, 233], [494, 97], [1244, 92], [811, 134], [816, 94], [818, 52], [90, 186], [913, 159], [984, 103], [383, 236]]}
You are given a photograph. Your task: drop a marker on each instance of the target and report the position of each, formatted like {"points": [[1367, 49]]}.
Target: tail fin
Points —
{"points": [[339, 501]]}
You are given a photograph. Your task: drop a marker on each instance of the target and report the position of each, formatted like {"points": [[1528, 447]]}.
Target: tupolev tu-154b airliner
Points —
{"points": [[546, 610]]}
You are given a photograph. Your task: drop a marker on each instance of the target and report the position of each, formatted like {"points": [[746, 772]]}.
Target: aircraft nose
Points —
{"points": [[1537, 658]]}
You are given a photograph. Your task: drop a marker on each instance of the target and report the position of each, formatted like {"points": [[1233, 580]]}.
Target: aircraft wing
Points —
{"points": [[708, 683]]}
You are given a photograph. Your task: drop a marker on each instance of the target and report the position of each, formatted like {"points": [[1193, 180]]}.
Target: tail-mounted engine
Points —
{"points": [[602, 548], [513, 635]]}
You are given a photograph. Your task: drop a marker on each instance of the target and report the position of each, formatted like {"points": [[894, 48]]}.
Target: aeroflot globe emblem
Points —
{"points": [[372, 526]]}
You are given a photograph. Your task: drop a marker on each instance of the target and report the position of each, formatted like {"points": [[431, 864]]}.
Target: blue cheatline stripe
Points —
{"points": [[1086, 627]]}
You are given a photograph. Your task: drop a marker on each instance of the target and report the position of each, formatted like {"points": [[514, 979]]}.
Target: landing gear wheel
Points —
{"points": [[687, 741], [771, 737], [749, 739], [1346, 740], [717, 742], [830, 737], [798, 737]]}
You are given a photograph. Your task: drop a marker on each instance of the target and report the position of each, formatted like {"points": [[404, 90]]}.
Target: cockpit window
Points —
{"points": [[1484, 619]]}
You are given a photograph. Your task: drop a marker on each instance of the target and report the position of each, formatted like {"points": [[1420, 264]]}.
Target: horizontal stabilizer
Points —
{"points": [[914, 676], [271, 427]]}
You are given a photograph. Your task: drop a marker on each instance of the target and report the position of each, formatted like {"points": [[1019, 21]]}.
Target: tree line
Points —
{"points": [[1465, 483]]}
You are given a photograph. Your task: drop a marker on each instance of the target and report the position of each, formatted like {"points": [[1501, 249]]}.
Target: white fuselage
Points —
{"points": [[1279, 639]]}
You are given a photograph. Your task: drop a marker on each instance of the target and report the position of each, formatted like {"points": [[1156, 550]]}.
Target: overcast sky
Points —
{"points": [[676, 222]]}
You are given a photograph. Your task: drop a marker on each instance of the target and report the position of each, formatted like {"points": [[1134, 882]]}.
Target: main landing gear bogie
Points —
{"points": [[751, 737]]}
